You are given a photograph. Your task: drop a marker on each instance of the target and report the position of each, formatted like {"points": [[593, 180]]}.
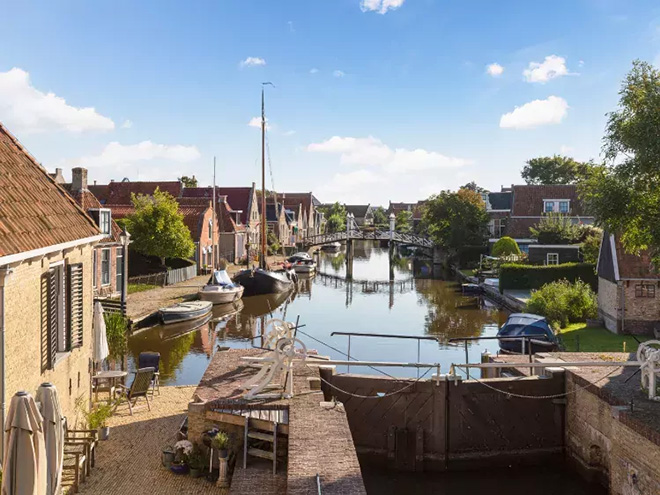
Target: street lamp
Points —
{"points": [[125, 240], [247, 245]]}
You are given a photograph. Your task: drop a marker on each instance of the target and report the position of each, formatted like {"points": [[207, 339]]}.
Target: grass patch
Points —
{"points": [[133, 288], [596, 339]]}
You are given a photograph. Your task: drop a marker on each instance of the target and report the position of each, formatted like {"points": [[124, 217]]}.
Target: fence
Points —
{"points": [[181, 274], [158, 278], [112, 305]]}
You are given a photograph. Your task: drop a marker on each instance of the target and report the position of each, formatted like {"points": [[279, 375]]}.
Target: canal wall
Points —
{"points": [[439, 425]]}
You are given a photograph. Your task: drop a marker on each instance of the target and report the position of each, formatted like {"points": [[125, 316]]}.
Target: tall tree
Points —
{"points": [[473, 186], [380, 216], [456, 219], [403, 221], [157, 227], [553, 170], [336, 218], [624, 195], [188, 181]]}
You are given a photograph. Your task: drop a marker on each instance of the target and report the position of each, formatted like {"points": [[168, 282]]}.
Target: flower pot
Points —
{"points": [[222, 454], [167, 458], [104, 432], [179, 468]]}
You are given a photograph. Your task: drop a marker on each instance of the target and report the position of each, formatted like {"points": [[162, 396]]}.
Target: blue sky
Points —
{"points": [[374, 99]]}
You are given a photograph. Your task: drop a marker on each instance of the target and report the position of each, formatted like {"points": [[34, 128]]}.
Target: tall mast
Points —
{"points": [[263, 263], [215, 260]]}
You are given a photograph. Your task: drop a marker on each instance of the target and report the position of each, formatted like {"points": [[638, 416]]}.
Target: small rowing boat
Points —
{"points": [[184, 311]]}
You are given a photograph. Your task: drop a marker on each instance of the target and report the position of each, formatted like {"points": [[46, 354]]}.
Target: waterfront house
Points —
{"points": [[547, 254], [417, 210], [110, 256], [119, 193], [498, 207], [278, 224], [46, 295], [628, 289], [530, 203], [363, 214], [308, 219]]}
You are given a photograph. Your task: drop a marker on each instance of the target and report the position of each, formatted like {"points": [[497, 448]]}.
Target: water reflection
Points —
{"points": [[327, 303]]}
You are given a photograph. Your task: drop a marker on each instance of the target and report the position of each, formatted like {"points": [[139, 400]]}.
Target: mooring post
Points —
{"points": [[467, 359], [391, 246]]}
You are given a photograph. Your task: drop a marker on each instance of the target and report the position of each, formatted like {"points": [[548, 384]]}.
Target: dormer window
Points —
{"points": [[105, 219], [557, 206]]}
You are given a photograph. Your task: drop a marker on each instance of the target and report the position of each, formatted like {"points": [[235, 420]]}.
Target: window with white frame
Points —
{"points": [[105, 267], [104, 221], [210, 229], [564, 206], [548, 206], [557, 206], [552, 259], [95, 268]]}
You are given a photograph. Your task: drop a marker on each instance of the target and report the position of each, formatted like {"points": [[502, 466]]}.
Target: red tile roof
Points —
{"points": [[88, 201], [119, 193], [35, 212], [294, 199], [238, 197]]}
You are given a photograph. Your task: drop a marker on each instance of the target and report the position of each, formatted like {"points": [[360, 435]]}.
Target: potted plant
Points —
{"points": [[197, 462], [219, 442], [183, 449], [167, 457], [97, 418]]}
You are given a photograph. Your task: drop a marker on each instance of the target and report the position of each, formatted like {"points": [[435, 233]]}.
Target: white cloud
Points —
{"points": [[581, 63], [380, 6], [116, 158], [551, 68], [372, 151], [127, 124], [339, 73], [26, 109], [494, 70], [252, 62], [536, 113], [314, 71], [256, 122]]}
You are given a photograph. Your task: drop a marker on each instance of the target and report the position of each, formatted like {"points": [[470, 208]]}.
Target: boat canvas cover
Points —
{"points": [[221, 277], [526, 324]]}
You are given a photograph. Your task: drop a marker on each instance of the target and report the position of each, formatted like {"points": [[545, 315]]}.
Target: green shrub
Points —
{"points": [[515, 276], [591, 247], [564, 302], [505, 247], [116, 330], [556, 229]]}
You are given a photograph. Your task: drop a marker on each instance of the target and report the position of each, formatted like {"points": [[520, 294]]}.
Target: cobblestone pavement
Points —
{"points": [[129, 462]]}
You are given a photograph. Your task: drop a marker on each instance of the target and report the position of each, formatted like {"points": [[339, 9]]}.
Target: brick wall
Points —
{"points": [[22, 313], [608, 304], [110, 290], [603, 447], [641, 313]]}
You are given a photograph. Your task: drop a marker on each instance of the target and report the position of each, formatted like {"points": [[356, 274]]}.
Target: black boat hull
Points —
{"points": [[260, 282]]}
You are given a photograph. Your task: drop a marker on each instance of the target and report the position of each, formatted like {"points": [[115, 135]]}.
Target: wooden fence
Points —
{"points": [[112, 305], [181, 274]]}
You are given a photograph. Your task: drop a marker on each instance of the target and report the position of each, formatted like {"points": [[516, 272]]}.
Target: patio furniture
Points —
{"points": [[139, 388], [151, 360], [81, 441], [107, 381], [73, 469]]}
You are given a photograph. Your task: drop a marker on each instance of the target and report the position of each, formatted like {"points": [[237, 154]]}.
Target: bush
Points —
{"points": [[556, 229], [116, 329], [591, 248], [469, 256], [564, 302], [516, 276], [505, 247]]}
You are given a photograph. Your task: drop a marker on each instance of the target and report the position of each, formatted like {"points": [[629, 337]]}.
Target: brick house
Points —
{"points": [[119, 193], [417, 210], [46, 293], [628, 289], [307, 218], [110, 257], [498, 207], [363, 214], [530, 203]]}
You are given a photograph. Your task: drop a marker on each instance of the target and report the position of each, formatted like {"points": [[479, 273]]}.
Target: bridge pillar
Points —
{"points": [[349, 259], [391, 259]]}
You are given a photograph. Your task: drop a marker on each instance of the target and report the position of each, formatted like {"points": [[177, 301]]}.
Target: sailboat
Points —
{"points": [[261, 280]]}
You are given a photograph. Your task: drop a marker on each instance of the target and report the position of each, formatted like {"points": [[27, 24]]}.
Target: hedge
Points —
{"points": [[514, 276], [469, 256]]}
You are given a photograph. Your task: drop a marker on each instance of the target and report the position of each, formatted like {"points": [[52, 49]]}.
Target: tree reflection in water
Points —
{"points": [[172, 351], [451, 314]]}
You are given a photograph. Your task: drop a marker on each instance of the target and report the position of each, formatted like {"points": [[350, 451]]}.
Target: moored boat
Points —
{"points": [[184, 311], [542, 338], [220, 289], [302, 263], [258, 282]]}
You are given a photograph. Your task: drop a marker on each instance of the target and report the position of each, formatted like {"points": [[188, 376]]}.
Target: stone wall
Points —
{"points": [[606, 445], [22, 315], [641, 313]]}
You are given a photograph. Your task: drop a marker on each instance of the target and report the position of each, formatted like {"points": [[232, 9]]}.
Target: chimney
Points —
{"points": [[79, 179], [58, 177]]}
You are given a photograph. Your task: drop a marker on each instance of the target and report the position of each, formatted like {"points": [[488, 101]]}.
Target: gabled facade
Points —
{"points": [[498, 206], [110, 257], [46, 292], [628, 289], [309, 219], [363, 214]]}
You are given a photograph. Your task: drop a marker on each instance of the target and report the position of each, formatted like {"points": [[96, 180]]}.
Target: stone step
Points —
{"points": [[259, 435], [264, 454]]}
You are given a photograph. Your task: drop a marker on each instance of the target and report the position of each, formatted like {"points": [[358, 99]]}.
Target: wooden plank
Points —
{"points": [[239, 420]]}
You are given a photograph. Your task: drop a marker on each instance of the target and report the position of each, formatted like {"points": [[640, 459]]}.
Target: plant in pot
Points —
{"points": [[168, 456], [197, 462], [183, 450], [97, 418], [220, 442]]}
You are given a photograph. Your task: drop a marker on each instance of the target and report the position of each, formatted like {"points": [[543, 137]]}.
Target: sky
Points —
{"points": [[373, 100]]}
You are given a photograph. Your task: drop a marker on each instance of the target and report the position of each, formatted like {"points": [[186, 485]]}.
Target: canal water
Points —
{"points": [[415, 305]]}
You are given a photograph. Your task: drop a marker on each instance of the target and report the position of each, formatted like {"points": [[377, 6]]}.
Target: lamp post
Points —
{"points": [[125, 239], [247, 246], [392, 225]]}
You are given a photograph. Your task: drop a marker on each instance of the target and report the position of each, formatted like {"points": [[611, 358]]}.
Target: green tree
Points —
{"points": [[554, 170], [556, 228], [336, 218], [456, 219], [473, 186], [380, 216], [624, 194], [505, 246], [157, 227], [188, 181], [403, 221], [591, 248]]}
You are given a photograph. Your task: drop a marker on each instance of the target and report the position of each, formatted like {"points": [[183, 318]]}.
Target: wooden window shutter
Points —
{"points": [[75, 305], [48, 321]]}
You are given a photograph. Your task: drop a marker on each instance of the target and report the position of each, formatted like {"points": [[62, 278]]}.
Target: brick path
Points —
{"points": [[129, 462]]}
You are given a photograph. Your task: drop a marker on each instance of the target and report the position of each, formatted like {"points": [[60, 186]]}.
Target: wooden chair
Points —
{"points": [[73, 470], [81, 441], [139, 388], [151, 360]]}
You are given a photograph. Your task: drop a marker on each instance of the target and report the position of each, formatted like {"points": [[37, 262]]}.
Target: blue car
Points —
{"points": [[519, 324]]}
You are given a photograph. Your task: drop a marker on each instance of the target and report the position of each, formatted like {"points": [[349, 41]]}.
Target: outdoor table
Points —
{"points": [[110, 377]]}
